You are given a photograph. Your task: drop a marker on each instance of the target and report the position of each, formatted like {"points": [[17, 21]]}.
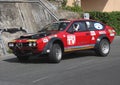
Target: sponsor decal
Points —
{"points": [[71, 39], [112, 32], [45, 40], [75, 48], [102, 32], [98, 26], [92, 33], [55, 35], [93, 38]]}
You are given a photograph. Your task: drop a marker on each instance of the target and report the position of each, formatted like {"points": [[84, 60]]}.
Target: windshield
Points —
{"points": [[58, 26]]}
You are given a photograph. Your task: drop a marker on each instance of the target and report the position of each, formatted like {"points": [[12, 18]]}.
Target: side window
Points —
{"points": [[78, 26], [91, 25], [82, 26]]}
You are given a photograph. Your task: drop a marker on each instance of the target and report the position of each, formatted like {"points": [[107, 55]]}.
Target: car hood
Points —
{"points": [[38, 35]]}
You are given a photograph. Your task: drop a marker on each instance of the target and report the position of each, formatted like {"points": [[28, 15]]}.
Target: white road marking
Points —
{"points": [[43, 78]]}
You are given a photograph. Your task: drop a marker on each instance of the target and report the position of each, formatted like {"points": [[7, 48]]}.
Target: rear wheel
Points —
{"points": [[103, 48], [55, 54]]}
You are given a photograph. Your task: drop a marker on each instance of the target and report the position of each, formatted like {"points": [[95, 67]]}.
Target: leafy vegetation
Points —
{"points": [[73, 9], [110, 18], [64, 3]]}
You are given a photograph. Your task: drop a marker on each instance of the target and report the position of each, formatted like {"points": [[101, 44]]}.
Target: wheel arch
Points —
{"points": [[100, 38], [50, 44], [59, 41], [99, 46]]}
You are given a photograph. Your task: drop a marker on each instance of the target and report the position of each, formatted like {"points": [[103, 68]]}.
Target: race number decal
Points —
{"points": [[98, 26], [71, 39]]}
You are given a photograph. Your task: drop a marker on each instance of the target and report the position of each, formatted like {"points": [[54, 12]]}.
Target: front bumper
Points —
{"points": [[23, 48]]}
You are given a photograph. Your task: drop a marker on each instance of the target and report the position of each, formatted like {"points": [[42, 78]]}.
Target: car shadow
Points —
{"points": [[44, 60], [79, 54], [32, 60]]}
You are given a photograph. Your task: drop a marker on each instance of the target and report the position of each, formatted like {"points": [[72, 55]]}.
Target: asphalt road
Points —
{"points": [[83, 68]]}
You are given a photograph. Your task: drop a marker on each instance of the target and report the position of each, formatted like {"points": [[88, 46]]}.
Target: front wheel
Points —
{"points": [[103, 48], [55, 54]]}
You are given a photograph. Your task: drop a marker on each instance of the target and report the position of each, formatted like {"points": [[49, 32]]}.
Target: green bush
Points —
{"points": [[110, 18], [73, 9], [64, 3]]}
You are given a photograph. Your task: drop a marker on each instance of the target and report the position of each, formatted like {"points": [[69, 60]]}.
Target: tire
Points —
{"points": [[103, 48], [22, 58], [55, 54]]}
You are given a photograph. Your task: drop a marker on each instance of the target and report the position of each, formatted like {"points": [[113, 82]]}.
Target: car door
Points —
{"points": [[80, 37], [82, 34]]}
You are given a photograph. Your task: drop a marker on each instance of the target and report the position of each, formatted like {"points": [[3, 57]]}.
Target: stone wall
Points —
{"points": [[30, 16]]}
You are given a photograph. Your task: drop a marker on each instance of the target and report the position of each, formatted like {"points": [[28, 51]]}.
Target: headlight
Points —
{"points": [[32, 44], [11, 44]]}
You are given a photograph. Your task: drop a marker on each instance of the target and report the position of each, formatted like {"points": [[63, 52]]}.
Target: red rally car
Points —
{"points": [[64, 36]]}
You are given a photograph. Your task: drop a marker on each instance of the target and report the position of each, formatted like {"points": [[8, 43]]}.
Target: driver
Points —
{"points": [[76, 27]]}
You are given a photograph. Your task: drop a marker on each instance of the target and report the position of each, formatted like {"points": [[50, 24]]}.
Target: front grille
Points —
{"points": [[21, 44], [25, 44]]}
